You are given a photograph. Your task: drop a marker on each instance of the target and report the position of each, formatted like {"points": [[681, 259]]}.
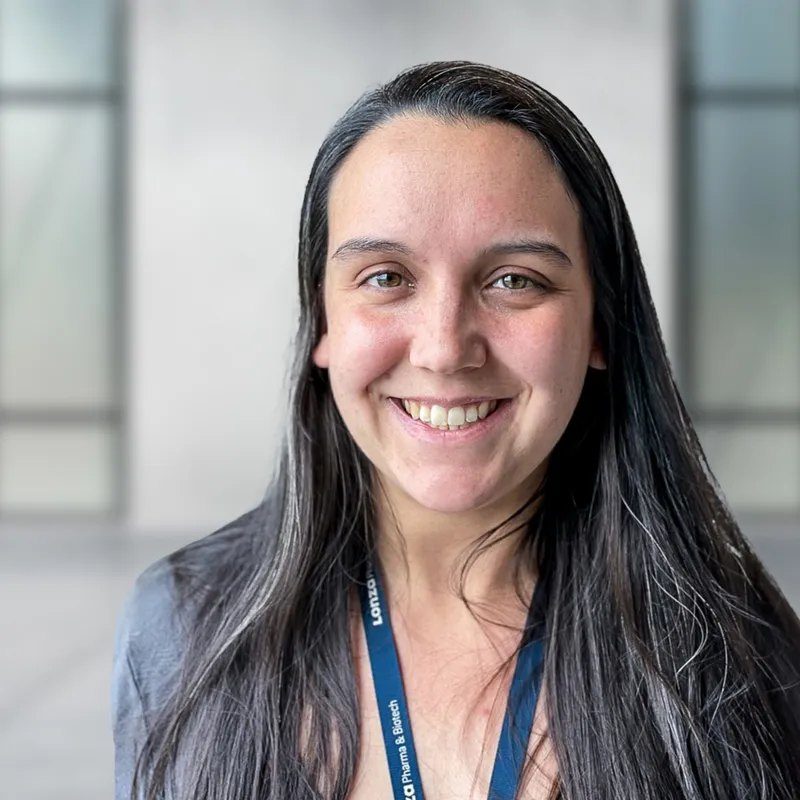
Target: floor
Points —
{"points": [[58, 607]]}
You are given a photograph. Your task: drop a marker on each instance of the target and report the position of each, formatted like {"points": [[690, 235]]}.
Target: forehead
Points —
{"points": [[448, 184]]}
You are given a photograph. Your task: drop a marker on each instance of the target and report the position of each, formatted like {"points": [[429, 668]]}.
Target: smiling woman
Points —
{"points": [[493, 562], [458, 277]]}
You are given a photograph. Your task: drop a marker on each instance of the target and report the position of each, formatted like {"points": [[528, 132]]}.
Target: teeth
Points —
{"points": [[456, 416], [449, 419], [438, 416]]}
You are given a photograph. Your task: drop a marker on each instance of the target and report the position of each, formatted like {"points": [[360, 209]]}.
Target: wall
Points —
{"points": [[229, 102]]}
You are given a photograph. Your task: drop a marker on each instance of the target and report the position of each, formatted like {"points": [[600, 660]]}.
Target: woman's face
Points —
{"points": [[456, 284]]}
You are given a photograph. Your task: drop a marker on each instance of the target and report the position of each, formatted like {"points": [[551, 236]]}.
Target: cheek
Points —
{"points": [[551, 352], [364, 346]]}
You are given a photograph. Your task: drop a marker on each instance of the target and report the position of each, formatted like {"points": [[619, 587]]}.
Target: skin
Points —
{"points": [[441, 314], [438, 320]]}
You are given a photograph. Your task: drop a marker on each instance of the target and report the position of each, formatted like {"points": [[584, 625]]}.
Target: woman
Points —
{"points": [[493, 561]]}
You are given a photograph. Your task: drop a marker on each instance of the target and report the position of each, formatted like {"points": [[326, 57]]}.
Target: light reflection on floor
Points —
{"points": [[58, 608]]}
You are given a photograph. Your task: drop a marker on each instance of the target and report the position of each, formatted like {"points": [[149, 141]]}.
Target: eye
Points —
{"points": [[386, 280], [516, 282]]}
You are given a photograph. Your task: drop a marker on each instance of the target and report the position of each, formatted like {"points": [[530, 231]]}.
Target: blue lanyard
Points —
{"points": [[395, 724]]}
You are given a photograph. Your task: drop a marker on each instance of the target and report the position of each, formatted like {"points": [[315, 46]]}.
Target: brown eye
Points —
{"points": [[514, 282], [386, 280]]}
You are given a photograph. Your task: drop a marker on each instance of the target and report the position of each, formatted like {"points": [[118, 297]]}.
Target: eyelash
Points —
{"points": [[533, 283]]}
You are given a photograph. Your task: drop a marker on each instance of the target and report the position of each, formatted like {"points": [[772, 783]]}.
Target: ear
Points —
{"points": [[321, 355], [597, 359]]}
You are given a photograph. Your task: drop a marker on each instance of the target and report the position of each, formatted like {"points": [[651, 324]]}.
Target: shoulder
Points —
{"points": [[148, 639], [157, 617], [155, 627], [146, 658]]}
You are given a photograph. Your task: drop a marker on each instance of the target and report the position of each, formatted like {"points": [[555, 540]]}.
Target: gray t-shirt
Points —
{"points": [[147, 656], [152, 634]]}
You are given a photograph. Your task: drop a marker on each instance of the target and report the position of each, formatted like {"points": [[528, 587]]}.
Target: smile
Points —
{"points": [[448, 418]]}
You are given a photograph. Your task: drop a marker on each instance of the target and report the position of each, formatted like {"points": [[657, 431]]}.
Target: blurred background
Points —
{"points": [[153, 156]]}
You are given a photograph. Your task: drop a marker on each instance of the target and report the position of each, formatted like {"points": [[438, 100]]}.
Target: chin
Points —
{"points": [[447, 500]]}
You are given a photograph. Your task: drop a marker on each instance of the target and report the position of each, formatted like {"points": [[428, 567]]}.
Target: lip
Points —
{"points": [[449, 402], [419, 430]]}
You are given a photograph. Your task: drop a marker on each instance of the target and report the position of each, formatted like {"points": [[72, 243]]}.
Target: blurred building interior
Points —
{"points": [[153, 155]]}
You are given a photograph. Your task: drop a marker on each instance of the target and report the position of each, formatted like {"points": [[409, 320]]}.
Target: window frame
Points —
{"points": [[687, 98], [113, 416]]}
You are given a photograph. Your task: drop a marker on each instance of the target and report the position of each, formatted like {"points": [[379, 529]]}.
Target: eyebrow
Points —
{"points": [[366, 244], [539, 247]]}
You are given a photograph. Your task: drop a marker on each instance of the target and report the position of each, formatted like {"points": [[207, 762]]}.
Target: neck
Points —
{"points": [[423, 553]]}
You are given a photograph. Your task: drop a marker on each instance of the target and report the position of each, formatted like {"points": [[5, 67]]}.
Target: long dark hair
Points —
{"points": [[673, 661]]}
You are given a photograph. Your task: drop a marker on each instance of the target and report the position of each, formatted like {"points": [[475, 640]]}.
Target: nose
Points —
{"points": [[446, 336]]}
